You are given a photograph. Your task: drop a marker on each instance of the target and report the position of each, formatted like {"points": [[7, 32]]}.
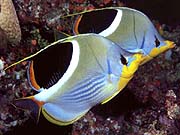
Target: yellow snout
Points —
{"points": [[156, 51], [128, 71]]}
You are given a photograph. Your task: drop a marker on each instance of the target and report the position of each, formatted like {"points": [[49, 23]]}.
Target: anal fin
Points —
{"points": [[109, 98], [58, 120]]}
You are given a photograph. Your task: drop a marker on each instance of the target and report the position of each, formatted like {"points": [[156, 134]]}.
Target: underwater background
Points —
{"points": [[150, 103]]}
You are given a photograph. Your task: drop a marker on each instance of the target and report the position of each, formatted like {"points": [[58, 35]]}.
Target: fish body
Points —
{"points": [[129, 28], [85, 70]]}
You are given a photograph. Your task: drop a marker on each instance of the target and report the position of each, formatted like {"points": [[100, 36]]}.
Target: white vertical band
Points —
{"points": [[113, 25], [45, 94]]}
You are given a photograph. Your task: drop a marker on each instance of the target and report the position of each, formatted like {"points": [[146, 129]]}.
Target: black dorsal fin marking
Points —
{"points": [[96, 21], [50, 65]]}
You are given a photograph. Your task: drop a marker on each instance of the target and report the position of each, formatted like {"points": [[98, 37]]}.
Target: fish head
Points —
{"points": [[133, 63], [129, 69], [143, 36], [151, 42], [158, 50], [157, 46]]}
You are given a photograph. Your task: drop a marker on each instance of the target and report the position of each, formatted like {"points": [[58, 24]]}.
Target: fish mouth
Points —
{"points": [[156, 51], [167, 45], [170, 44]]}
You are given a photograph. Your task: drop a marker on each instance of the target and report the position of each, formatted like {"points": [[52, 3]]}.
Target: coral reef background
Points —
{"points": [[149, 105]]}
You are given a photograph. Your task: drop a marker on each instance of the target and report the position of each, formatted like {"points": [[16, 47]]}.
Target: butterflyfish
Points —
{"points": [[131, 29], [74, 74]]}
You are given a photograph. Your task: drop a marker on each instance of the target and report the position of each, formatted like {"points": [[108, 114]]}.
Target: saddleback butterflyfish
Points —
{"points": [[74, 74], [130, 29]]}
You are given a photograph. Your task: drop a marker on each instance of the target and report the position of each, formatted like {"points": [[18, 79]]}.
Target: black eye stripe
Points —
{"points": [[123, 60], [157, 42]]}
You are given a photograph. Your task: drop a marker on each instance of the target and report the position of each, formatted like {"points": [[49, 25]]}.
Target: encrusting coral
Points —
{"points": [[9, 22]]}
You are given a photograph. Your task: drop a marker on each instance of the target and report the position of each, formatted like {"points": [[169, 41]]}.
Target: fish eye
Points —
{"points": [[123, 60], [157, 42]]}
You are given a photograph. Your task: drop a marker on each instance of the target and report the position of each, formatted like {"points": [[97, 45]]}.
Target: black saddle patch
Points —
{"points": [[50, 65], [96, 21]]}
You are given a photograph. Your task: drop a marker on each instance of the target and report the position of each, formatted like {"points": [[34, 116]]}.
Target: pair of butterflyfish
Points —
{"points": [[78, 72]]}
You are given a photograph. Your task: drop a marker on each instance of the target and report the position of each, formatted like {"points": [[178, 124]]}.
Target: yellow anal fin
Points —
{"points": [[109, 98], [59, 122]]}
